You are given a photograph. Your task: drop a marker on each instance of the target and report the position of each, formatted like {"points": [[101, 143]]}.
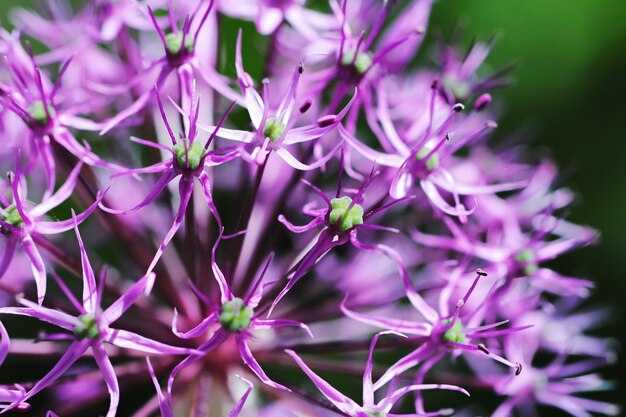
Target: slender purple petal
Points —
{"points": [[343, 403], [250, 361], [130, 340], [108, 374]]}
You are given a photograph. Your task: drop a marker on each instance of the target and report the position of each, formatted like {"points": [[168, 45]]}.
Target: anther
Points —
{"points": [[491, 124], [265, 81], [305, 106], [420, 30], [434, 85], [300, 68], [481, 272], [483, 348], [518, 368], [458, 107], [482, 101], [327, 120], [460, 303]]}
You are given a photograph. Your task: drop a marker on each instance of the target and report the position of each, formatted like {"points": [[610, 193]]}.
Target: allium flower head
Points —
{"points": [[425, 243]]}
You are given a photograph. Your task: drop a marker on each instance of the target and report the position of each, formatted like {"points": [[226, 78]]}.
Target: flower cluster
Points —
{"points": [[141, 125]]}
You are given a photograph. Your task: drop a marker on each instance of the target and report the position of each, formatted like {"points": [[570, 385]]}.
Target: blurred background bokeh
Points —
{"points": [[569, 102]]}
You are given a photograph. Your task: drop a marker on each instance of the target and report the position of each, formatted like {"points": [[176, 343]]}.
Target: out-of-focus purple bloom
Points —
{"points": [[180, 55]]}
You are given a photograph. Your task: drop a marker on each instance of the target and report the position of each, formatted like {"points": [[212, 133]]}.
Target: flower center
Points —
{"points": [[361, 63], [273, 129], [235, 315], [456, 333], [188, 155], [87, 327], [174, 43], [459, 88], [432, 162], [345, 219], [38, 112], [527, 261], [13, 217]]}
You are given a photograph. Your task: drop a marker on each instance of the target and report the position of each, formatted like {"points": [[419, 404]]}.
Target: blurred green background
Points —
{"points": [[570, 94]]}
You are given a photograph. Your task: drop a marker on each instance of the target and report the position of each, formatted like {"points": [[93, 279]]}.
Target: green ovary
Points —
{"points": [[460, 89], [432, 162], [526, 259], [362, 62], [87, 327], [188, 155], [13, 217], [456, 333], [235, 315], [174, 43], [273, 129], [349, 218], [38, 112]]}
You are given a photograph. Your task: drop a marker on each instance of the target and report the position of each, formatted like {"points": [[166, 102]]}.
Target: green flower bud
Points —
{"points": [[273, 129], [456, 333], [38, 112], [188, 154], [460, 89], [174, 43], [349, 218], [432, 162], [235, 315], [362, 62], [13, 217], [87, 327], [526, 259]]}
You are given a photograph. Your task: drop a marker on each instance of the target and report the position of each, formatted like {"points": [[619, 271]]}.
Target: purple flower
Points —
{"points": [[341, 218], [22, 225], [234, 317], [189, 160], [90, 329], [33, 97], [441, 332], [555, 385], [347, 406], [179, 46], [275, 129], [336, 77]]}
